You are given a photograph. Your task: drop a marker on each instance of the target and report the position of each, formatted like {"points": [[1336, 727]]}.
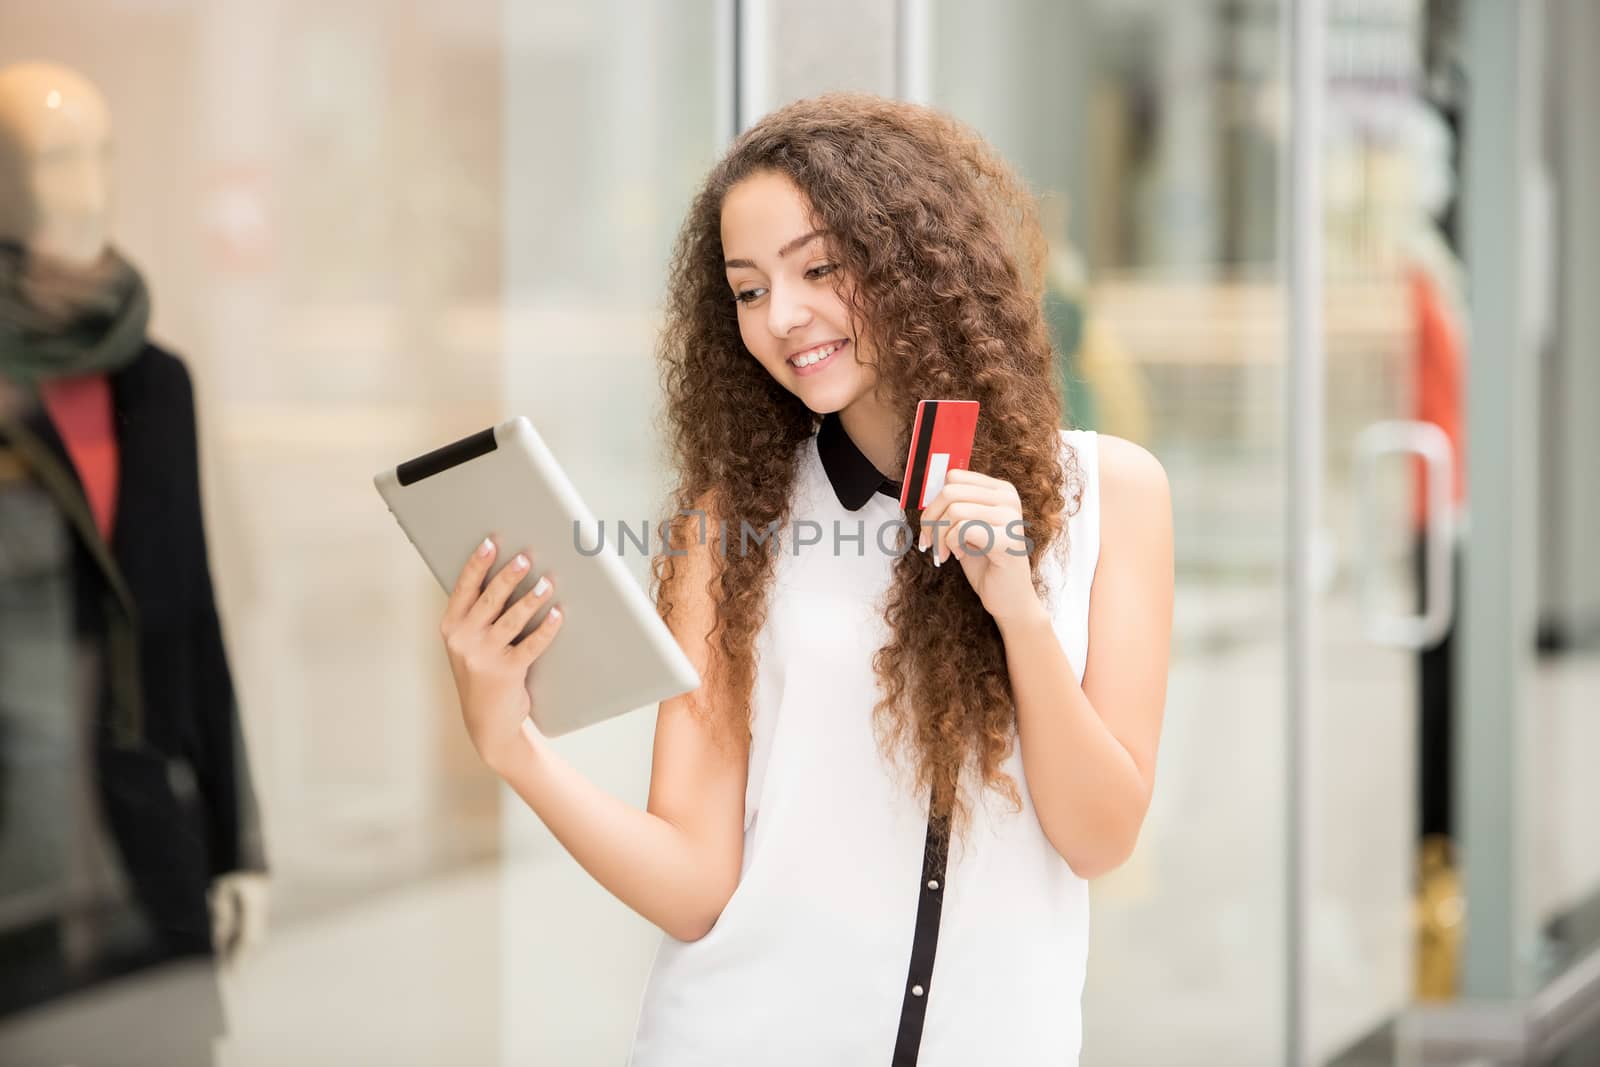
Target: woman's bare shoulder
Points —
{"points": [[1134, 490]]}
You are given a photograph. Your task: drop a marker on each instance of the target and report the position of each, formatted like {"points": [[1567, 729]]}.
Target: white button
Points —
{"points": [[916, 991], [933, 884]]}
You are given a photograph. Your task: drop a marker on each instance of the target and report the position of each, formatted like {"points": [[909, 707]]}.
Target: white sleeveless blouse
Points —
{"points": [[808, 963]]}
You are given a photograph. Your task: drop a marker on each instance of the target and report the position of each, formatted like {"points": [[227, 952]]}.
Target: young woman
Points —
{"points": [[868, 833]]}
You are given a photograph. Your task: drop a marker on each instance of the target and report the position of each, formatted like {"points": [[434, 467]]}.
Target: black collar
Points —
{"points": [[852, 474]]}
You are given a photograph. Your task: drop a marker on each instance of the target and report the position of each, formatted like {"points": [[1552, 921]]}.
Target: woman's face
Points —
{"points": [[790, 295]]}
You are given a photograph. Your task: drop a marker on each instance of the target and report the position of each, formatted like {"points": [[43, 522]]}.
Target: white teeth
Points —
{"points": [[815, 357]]}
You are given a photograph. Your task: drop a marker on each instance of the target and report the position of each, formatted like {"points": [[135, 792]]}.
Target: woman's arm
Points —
{"points": [[677, 868], [1089, 751], [678, 861]]}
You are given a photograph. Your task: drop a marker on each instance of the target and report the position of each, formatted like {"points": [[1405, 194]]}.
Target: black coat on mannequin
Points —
{"points": [[178, 806]]}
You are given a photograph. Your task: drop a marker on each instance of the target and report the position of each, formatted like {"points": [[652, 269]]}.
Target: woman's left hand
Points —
{"points": [[980, 523]]}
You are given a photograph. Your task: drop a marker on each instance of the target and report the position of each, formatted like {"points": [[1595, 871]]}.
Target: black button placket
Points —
{"points": [[930, 903]]}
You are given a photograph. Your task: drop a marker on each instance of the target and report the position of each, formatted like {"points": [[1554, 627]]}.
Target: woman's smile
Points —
{"points": [[817, 358]]}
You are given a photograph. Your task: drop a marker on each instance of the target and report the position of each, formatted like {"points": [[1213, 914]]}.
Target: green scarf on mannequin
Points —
{"points": [[59, 321]]}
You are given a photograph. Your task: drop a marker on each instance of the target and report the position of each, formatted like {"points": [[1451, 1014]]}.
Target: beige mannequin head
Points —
{"points": [[55, 172]]}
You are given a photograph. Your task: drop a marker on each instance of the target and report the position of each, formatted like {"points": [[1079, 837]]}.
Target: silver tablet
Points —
{"points": [[613, 654]]}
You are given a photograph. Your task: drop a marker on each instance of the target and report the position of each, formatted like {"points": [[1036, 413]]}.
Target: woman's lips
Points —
{"points": [[821, 365]]}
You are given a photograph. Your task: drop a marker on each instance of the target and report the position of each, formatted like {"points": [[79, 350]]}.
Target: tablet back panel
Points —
{"points": [[613, 654]]}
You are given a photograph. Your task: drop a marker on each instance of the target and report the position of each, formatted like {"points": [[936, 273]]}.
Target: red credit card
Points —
{"points": [[941, 441]]}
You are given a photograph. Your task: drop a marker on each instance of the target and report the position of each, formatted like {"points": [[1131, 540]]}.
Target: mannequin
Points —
{"points": [[1436, 278], [99, 422]]}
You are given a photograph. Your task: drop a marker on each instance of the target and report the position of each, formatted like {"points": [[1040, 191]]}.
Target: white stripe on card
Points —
{"points": [[938, 463]]}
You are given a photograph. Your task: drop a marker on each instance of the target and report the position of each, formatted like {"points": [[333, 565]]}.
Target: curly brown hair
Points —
{"points": [[942, 244]]}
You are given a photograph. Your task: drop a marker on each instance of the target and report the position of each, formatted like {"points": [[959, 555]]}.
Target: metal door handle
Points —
{"points": [[1422, 629]]}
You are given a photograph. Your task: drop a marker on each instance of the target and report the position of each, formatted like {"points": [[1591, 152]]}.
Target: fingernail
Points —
{"points": [[486, 548], [520, 563], [555, 613], [936, 558], [541, 587]]}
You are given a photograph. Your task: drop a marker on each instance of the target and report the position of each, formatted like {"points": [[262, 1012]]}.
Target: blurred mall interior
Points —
{"points": [[1334, 263]]}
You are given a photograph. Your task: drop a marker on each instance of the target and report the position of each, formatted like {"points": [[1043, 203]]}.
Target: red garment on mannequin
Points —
{"points": [[1438, 385], [81, 410]]}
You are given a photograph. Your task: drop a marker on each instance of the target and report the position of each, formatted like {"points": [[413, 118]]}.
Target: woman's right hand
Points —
{"points": [[490, 672]]}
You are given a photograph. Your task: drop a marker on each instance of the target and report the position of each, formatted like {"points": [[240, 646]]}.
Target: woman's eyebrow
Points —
{"points": [[729, 264]]}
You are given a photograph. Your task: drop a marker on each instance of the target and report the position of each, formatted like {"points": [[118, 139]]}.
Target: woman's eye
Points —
{"points": [[822, 270]]}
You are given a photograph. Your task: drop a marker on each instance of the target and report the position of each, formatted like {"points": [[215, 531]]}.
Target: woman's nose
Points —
{"points": [[786, 312]]}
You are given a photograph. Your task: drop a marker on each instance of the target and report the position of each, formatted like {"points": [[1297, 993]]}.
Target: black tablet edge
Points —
{"points": [[442, 459]]}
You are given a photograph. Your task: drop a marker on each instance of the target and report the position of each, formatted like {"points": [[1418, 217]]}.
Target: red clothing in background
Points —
{"points": [[1438, 385], [81, 410]]}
